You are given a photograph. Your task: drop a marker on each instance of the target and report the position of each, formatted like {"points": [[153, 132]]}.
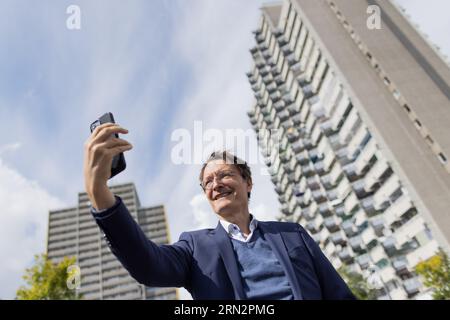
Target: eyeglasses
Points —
{"points": [[222, 176]]}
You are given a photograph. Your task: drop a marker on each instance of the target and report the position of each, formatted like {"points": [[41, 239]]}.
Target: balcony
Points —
{"points": [[378, 224], [297, 119], [356, 243], [363, 162], [328, 160], [375, 173], [349, 126], [318, 110], [313, 182], [265, 70], [358, 187], [339, 112], [308, 169], [401, 267], [368, 206], [377, 254], [291, 177], [357, 142], [402, 205], [293, 109], [279, 80], [342, 156], [286, 49], [350, 171], [326, 209], [350, 203], [332, 223], [387, 274], [271, 87], [275, 96], [314, 225], [283, 115], [291, 59], [346, 255], [349, 228], [321, 236], [288, 98], [279, 105], [339, 210], [383, 194], [268, 78], [330, 249], [307, 213], [412, 286], [319, 195], [338, 238], [297, 147], [389, 245], [326, 182], [368, 235], [327, 129], [363, 261]]}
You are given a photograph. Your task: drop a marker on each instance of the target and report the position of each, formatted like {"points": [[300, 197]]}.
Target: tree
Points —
{"points": [[357, 284], [48, 281], [436, 274]]}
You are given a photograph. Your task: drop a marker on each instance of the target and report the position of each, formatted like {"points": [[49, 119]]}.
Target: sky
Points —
{"points": [[162, 67]]}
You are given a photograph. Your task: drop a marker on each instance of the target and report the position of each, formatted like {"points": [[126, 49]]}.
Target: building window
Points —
{"points": [[418, 124], [442, 158]]}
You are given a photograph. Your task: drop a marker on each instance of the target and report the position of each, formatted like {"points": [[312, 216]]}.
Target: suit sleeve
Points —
{"points": [[333, 286], [148, 263]]}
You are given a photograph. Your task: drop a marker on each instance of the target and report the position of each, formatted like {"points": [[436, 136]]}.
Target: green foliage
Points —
{"points": [[47, 280], [436, 274], [357, 284]]}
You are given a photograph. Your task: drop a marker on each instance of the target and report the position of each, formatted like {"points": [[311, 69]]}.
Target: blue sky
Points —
{"points": [[158, 66]]}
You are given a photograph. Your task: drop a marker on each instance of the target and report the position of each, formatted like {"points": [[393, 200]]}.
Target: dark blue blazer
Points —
{"points": [[204, 263]]}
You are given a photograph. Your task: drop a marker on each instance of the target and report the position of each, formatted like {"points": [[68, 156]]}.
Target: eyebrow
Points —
{"points": [[220, 171]]}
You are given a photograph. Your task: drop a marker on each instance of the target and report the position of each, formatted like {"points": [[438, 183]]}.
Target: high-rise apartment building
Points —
{"points": [[72, 232], [363, 116]]}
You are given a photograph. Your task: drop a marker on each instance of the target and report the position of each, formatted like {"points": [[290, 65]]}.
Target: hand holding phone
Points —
{"points": [[118, 162], [99, 150]]}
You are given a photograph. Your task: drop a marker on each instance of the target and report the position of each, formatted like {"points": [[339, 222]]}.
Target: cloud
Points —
{"points": [[10, 147], [23, 226]]}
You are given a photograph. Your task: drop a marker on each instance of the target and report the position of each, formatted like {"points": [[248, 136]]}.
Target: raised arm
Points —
{"points": [[147, 262]]}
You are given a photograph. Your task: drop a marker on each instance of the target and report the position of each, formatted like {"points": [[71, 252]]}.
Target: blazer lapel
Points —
{"points": [[223, 242], [275, 240]]}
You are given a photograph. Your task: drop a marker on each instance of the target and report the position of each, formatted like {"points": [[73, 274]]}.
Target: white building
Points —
{"points": [[72, 232], [364, 120]]}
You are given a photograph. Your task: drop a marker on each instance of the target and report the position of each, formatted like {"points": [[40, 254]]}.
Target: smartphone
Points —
{"points": [[118, 162]]}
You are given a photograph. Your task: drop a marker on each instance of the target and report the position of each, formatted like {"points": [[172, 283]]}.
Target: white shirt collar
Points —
{"points": [[235, 232]]}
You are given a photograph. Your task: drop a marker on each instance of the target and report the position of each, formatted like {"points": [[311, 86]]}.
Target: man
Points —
{"points": [[241, 258]]}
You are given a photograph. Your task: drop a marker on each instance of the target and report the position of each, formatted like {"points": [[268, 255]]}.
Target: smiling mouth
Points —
{"points": [[222, 195]]}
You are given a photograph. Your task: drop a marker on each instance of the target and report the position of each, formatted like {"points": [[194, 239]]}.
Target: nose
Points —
{"points": [[217, 183]]}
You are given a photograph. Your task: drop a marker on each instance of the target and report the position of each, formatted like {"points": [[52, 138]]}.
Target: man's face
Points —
{"points": [[226, 189]]}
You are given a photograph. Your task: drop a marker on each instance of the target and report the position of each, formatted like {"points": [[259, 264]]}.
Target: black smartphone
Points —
{"points": [[118, 162]]}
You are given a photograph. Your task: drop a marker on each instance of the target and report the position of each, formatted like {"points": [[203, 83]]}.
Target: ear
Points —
{"points": [[249, 185]]}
